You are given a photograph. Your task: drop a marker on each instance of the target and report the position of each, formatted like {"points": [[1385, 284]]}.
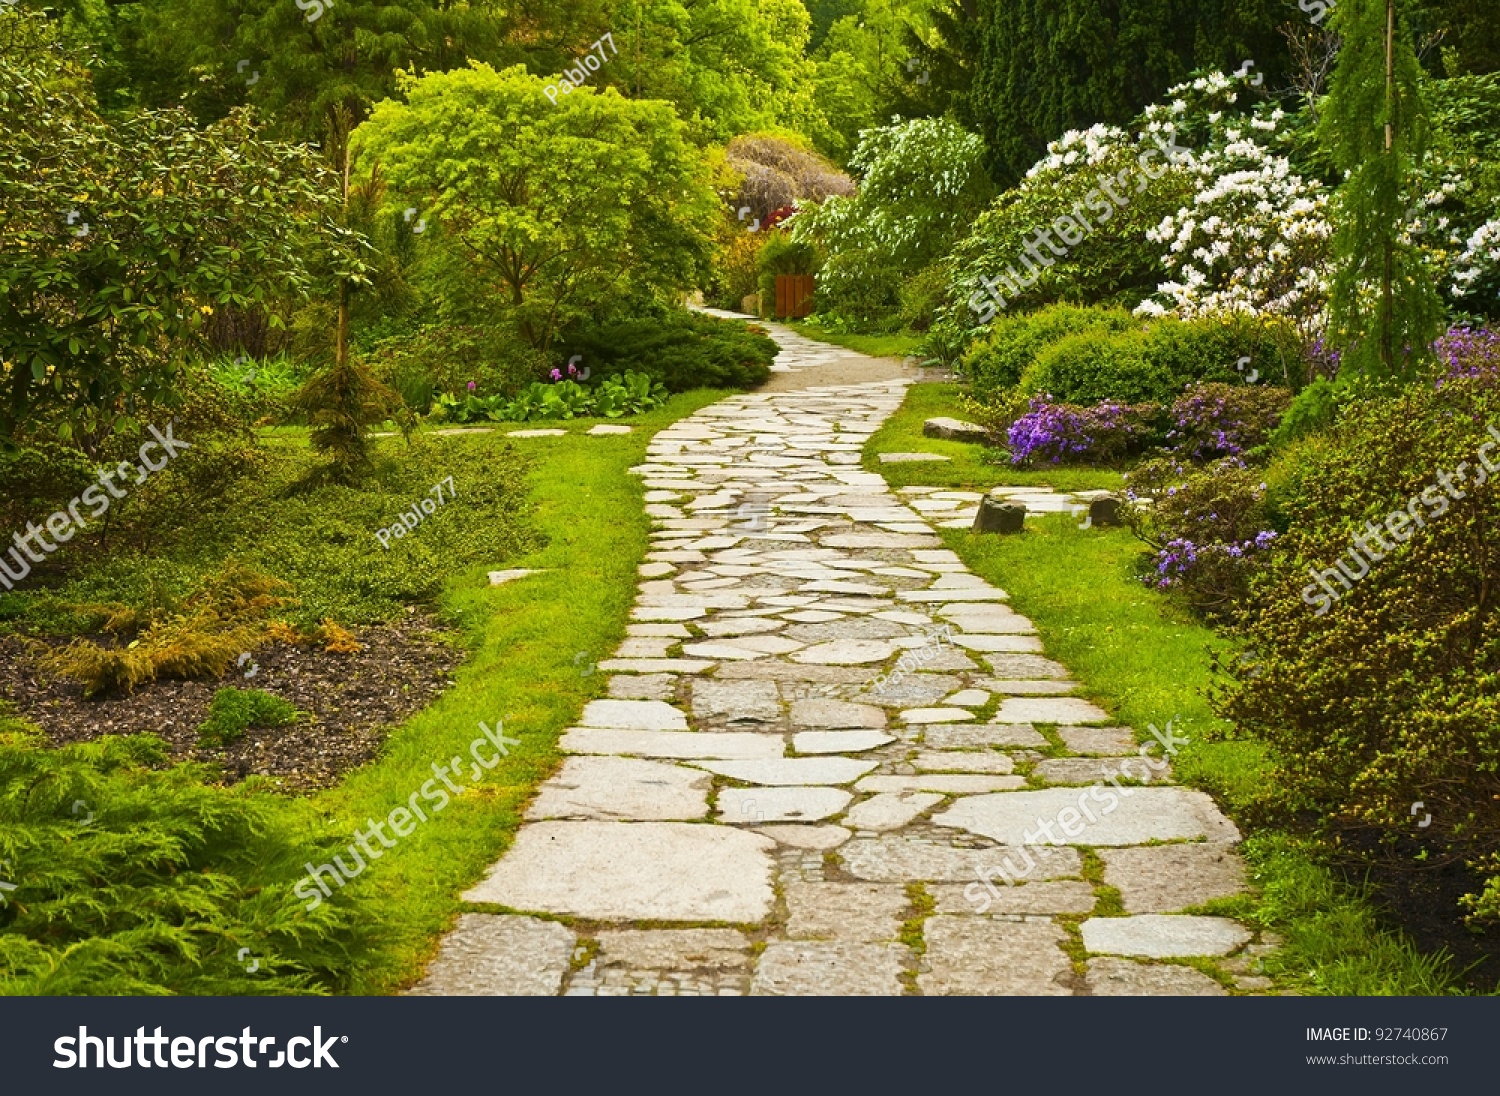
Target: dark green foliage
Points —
{"points": [[1086, 355], [342, 404], [234, 711], [1052, 65], [321, 539], [1013, 341], [782, 255], [443, 359], [135, 878], [1314, 409], [861, 291], [1389, 694], [1384, 309], [138, 228], [680, 349]]}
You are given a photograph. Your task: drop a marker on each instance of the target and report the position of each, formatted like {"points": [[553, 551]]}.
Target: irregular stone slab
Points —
{"points": [[639, 715], [789, 671], [720, 651], [807, 837], [965, 761], [792, 770], [717, 700], [681, 745], [756, 806], [740, 626], [890, 810], [611, 428], [880, 540], [771, 645], [1028, 688], [1166, 878], [800, 968], [947, 596], [978, 957], [894, 859], [949, 784], [910, 458], [657, 665], [954, 430], [645, 647], [968, 698], [1124, 978], [1099, 741], [640, 687], [812, 616], [1024, 899], [1139, 816], [846, 652], [1049, 709], [902, 689], [634, 871], [500, 578], [866, 912], [828, 742], [1093, 770], [1027, 666], [487, 955], [987, 617], [535, 433], [622, 788], [1163, 936], [835, 715], [936, 715], [674, 949], [979, 736]]}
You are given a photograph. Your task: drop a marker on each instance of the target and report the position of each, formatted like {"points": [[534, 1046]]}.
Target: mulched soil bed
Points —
{"points": [[353, 700]]}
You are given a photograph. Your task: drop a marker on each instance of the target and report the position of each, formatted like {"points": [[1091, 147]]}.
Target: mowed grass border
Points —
{"points": [[533, 643], [1145, 660]]}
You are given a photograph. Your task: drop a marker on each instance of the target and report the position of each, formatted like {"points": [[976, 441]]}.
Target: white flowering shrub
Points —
{"points": [[921, 184], [1254, 236]]}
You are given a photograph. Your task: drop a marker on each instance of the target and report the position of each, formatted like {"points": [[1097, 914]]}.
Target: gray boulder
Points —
{"points": [[997, 516], [954, 430]]}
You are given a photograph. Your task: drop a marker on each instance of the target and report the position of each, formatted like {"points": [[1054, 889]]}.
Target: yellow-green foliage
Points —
{"points": [[202, 637]]}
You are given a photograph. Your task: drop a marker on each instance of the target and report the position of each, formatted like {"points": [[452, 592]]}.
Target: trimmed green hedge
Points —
{"points": [[680, 349]]}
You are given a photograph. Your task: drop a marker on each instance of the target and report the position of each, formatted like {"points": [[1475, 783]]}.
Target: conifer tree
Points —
{"points": [[1384, 309]]}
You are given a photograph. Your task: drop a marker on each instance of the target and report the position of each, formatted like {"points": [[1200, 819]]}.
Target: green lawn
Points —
{"points": [[899, 345], [1147, 661], [536, 641], [970, 467]]}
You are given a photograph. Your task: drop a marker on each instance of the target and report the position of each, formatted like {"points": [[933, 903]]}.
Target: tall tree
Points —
{"points": [[1384, 309], [1048, 66]]}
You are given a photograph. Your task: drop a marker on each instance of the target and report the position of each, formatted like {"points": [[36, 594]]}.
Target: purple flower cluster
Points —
{"points": [[1178, 558], [1468, 353], [1219, 420], [1055, 432]]}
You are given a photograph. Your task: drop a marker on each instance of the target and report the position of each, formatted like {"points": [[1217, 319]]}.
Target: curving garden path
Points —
{"points": [[822, 732]]}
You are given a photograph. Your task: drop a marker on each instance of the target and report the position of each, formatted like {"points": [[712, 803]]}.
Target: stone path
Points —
{"points": [[834, 761]]}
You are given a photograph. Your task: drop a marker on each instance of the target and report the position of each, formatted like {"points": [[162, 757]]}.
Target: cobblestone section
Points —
{"points": [[839, 763]]}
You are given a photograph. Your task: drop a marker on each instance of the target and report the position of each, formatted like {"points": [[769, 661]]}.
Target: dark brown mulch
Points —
{"points": [[353, 700]]}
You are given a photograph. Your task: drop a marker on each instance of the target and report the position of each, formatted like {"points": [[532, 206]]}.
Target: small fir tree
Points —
{"points": [[1384, 308]]}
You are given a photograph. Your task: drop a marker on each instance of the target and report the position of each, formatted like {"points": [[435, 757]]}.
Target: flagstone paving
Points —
{"points": [[841, 762]]}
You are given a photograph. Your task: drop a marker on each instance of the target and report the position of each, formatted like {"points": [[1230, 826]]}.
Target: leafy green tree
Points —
{"points": [[1048, 66], [1384, 309], [865, 70], [118, 239], [562, 206], [729, 66]]}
